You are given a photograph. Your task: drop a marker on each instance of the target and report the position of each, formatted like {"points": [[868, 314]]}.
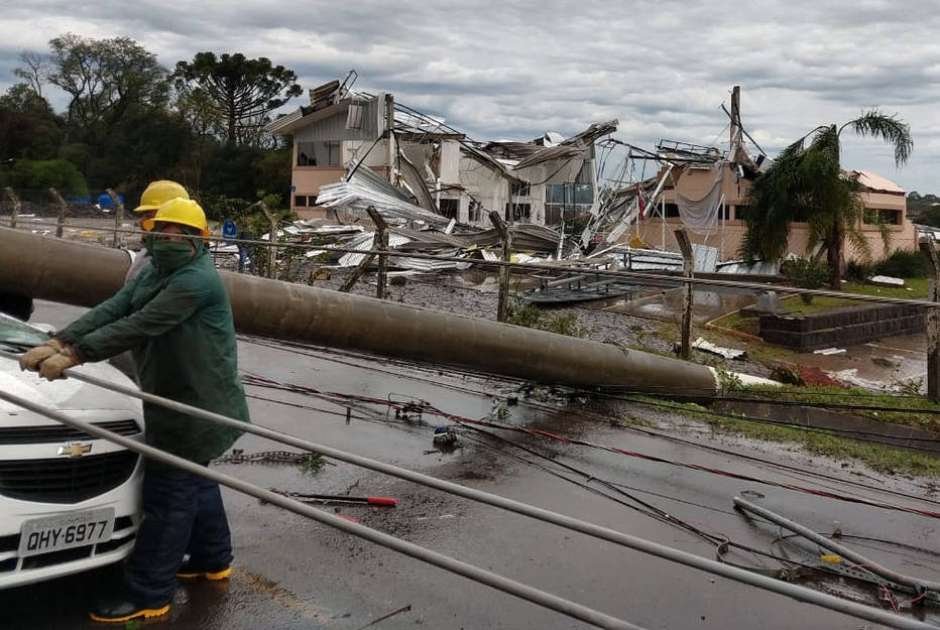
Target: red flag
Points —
{"points": [[641, 202]]}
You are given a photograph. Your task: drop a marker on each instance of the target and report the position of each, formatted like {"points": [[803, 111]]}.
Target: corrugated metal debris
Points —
{"points": [[721, 351], [363, 188]]}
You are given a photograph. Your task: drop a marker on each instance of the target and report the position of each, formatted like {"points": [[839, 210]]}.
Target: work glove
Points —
{"points": [[31, 360], [53, 367]]}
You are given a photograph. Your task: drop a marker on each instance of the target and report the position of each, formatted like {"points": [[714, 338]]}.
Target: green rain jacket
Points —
{"points": [[178, 325]]}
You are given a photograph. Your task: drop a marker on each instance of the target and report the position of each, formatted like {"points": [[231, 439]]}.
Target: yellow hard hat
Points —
{"points": [[182, 212], [158, 193]]}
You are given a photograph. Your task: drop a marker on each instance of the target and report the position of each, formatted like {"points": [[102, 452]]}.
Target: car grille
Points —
{"points": [[65, 480], [61, 432]]}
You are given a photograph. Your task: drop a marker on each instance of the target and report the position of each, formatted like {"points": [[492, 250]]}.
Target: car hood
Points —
{"points": [[67, 394]]}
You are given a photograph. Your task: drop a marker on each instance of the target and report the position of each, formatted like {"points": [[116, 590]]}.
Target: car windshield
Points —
{"points": [[17, 334]]}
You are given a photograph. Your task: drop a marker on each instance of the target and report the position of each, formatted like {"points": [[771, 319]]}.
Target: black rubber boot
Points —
{"points": [[191, 572], [123, 610]]}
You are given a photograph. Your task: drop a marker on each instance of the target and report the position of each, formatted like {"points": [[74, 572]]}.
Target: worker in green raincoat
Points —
{"points": [[176, 319]]}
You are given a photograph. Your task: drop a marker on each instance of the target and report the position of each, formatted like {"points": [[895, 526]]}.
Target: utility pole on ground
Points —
{"points": [[929, 248], [63, 208], [688, 264], [14, 205], [502, 307], [118, 216]]}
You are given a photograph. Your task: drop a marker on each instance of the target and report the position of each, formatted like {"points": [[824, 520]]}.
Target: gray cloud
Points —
{"points": [[513, 70]]}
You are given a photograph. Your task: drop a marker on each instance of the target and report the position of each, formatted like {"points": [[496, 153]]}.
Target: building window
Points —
{"points": [[476, 212], [568, 199], [324, 154], [672, 210], [519, 211], [450, 207], [553, 214], [879, 216], [300, 201], [519, 189]]}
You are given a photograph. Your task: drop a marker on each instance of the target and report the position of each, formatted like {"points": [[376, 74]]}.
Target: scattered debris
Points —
{"points": [[408, 409], [886, 362], [239, 456], [446, 439], [312, 463], [728, 353], [768, 303], [851, 377], [388, 616], [338, 499], [830, 351], [887, 281], [815, 376]]}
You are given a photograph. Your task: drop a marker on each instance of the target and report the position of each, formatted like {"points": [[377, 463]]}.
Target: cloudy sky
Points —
{"points": [[514, 70]]}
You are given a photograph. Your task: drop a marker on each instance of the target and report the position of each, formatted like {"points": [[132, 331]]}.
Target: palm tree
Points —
{"points": [[806, 183]]}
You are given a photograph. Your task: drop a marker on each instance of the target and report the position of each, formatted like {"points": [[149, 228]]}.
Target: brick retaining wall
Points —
{"points": [[842, 327]]}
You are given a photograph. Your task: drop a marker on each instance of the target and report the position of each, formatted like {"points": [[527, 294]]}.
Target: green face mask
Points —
{"points": [[168, 256], [148, 240]]}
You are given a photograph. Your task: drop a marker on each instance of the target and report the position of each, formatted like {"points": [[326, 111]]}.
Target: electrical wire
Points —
{"points": [[637, 277], [603, 417]]}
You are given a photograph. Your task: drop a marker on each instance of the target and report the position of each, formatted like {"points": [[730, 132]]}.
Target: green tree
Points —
{"points": [[806, 183], [241, 92], [34, 71], [104, 78], [34, 177], [28, 127]]}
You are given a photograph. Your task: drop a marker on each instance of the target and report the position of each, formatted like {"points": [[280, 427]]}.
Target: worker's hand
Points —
{"points": [[53, 367], [31, 360]]}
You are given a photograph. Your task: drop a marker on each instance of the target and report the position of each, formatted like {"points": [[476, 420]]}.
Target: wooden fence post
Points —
{"points": [[381, 240], [118, 217], [14, 205], [502, 307], [63, 208], [929, 249], [272, 251], [688, 264]]}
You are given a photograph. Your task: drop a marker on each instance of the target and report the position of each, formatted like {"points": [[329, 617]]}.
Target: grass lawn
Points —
{"points": [[917, 286], [879, 457], [913, 411]]}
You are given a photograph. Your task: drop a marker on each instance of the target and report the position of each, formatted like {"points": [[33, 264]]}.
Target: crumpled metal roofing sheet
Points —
{"points": [[366, 188]]}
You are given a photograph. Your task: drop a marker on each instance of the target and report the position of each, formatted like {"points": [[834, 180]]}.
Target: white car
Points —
{"points": [[68, 502]]}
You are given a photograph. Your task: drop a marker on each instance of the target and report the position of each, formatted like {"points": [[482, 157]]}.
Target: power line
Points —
{"points": [[494, 580], [637, 276], [625, 540], [550, 409]]}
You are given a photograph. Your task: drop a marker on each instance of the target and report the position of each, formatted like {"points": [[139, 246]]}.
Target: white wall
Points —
{"points": [[485, 185]]}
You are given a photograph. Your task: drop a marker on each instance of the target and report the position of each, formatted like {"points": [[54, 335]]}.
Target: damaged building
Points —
{"points": [[545, 181], [709, 197]]}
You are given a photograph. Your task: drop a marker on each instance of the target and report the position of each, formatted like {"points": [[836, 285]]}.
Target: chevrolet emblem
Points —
{"points": [[74, 449]]}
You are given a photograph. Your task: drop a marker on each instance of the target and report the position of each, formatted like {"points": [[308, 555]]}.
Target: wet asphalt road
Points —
{"points": [[293, 573]]}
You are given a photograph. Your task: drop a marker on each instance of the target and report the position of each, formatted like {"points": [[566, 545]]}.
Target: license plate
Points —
{"points": [[66, 531]]}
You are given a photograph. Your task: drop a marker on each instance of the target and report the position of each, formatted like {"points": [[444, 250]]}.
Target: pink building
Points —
{"points": [[885, 204]]}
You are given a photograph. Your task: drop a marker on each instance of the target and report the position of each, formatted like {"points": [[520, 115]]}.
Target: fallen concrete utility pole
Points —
{"points": [[799, 593], [915, 583], [499, 582], [85, 275], [642, 277]]}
